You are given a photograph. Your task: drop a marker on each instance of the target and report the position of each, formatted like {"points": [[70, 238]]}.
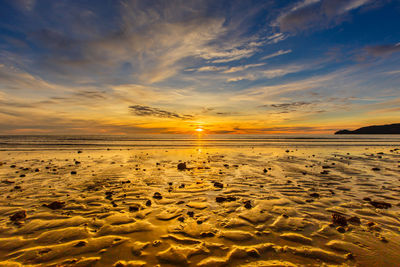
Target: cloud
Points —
{"points": [[211, 68], [140, 110], [279, 72], [228, 56], [310, 14], [280, 52], [292, 105], [243, 67], [383, 50]]}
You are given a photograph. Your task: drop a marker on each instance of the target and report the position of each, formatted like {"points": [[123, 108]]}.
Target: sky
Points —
{"points": [[226, 67]]}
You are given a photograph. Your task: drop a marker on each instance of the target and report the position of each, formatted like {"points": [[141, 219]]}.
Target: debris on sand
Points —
{"points": [[380, 204], [182, 166], [19, 215], [55, 205], [157, 195], [218, 185], [338, 219]]}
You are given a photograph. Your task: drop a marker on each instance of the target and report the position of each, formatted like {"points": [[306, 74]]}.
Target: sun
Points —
{"points": [[199, 130]]}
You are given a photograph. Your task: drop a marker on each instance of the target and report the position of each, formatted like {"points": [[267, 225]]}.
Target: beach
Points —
{"points": [[196, 202]]}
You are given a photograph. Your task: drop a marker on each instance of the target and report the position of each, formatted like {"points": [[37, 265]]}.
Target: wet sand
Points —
{"points": [[282, 206]]}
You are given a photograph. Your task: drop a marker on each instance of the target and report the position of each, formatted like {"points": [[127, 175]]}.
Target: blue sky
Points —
{"points": [[123, 67]]}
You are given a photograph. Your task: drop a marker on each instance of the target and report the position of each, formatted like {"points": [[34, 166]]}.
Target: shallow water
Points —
{"points": [[223, 210]]}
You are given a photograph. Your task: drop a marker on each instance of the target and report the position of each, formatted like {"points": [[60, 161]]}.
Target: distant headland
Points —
{"points": [[375, 129]]}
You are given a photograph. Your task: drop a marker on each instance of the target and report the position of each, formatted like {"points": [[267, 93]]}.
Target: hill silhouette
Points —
{"points": [[375, 129]]}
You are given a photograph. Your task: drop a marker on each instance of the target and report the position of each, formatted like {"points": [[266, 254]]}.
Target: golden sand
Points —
{"points": [[230, 207]]}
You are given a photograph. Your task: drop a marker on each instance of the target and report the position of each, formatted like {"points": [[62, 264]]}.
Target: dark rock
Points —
{"points": [[367, 199], [316, 195], [338, 219], [220, 199], [148, 203], [134, 208], [376, 169], [190, 213], [370, 224], [341, 229], [265, 171], [182, 166], [17, 187], [253, 253], [55, 205], [218, 185], [181, 219], [19, 215], [247, 204], [380, 204], [81, 243], [73, 172], [182, 186], [157, 195]]}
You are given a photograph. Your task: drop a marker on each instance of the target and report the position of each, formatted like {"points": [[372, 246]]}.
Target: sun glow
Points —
{"points": [[199, 130]]}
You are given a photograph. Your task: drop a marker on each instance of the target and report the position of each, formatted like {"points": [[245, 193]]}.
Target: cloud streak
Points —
{"points": [[140, 110]]}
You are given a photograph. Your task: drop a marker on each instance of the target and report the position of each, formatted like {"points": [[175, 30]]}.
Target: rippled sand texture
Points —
{"points": [[229, 207]]}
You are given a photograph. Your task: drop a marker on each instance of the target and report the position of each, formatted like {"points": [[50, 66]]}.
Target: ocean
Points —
{"points": [[32, 142]]}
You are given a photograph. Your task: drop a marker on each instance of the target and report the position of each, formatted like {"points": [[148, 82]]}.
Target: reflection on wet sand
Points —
{"points": [[271, 206]]}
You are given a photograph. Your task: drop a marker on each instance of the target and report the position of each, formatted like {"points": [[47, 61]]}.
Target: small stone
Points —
{"points": [[316, 195], [80, 244], [19, 215], [134, 208], [338, 219], [376, 169], [182, 166], [55, 205], [218, 185], [380, 204], [73, 172], [157, 195], [148, 203], [341, 229], [247, 204]]}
